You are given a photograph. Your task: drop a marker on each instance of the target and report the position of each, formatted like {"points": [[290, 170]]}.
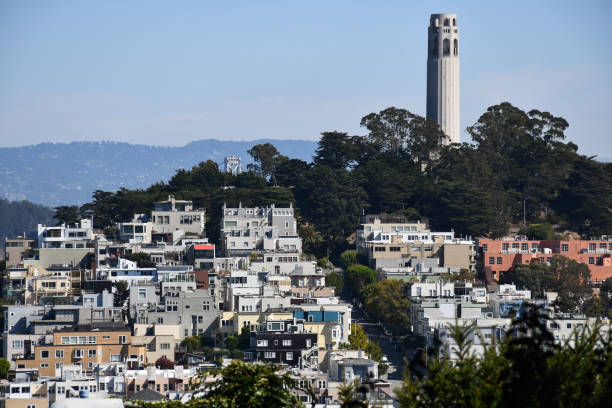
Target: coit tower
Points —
{"points": [[443, 74]]}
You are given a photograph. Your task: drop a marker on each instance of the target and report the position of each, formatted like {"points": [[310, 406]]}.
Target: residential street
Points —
{"points": [[376, 333]]}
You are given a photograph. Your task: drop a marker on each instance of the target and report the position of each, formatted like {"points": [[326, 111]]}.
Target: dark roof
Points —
{"points": [[147, 394]]}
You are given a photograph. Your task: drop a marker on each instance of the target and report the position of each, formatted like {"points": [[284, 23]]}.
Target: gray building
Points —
{"points": [[246, 230], [194, 310], [172, 214]]}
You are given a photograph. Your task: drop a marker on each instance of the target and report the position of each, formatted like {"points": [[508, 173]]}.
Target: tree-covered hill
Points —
{"points": [[22, 216], [518, 160], [55, 174]]}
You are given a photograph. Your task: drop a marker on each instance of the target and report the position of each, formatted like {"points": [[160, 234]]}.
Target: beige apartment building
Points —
{"points": [[393, 245], [16, 248], [84, 346]]}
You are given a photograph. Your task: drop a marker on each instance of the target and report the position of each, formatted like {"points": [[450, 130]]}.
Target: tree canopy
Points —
{"points": [[570, 279], [517, 165]]}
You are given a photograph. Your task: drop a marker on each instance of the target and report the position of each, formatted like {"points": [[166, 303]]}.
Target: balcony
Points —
{"points": [[595, 251]]}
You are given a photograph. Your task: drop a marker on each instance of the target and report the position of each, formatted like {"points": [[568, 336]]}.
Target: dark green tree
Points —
{"points": [[266, 158], [359, 276], [251, 386], [4, 367], [335, 280], [67, 214]]}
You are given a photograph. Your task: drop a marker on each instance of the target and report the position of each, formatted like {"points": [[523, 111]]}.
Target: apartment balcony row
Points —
{"points": [[596, 251]]}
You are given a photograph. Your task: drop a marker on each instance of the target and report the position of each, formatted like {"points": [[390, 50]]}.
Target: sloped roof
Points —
{"points": [[147, 394]]}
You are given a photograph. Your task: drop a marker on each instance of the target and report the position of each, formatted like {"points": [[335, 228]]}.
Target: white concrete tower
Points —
{"points": [[443, 74]]}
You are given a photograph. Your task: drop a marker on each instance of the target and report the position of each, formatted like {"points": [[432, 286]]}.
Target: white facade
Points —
{"points": [[443, 105], [66, 236]]}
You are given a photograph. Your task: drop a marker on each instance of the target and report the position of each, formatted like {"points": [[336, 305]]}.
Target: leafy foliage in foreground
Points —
{"points": [[241, 385], [528, 370]]}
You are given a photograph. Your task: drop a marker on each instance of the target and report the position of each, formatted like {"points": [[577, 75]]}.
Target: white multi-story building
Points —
{"points": [[66, 236]]}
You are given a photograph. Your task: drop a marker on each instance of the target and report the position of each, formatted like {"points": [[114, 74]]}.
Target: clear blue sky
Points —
{"points": [[169, 72]]}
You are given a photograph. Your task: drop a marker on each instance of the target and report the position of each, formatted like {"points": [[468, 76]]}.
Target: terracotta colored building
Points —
{"points": [[84, 346], [499, 256]]}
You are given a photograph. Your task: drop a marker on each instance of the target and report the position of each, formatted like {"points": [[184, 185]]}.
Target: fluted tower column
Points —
{"points": [[443, 74]]}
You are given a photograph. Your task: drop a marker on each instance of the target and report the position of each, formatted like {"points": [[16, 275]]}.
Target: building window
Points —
{"points": [[44, 354], [286, 342], [79, 353], [142, 293], [564, 247], [44, 365], [599, 260], [289, 356], [591, 260], [524, 246], [491, 260], [206, 306], [269, 354], [455, 47], [276, 326], [380, 249], [59, 353], [446, 47], [505, 246], [592, 247], [535, 245], [122, 340], [115, 358], [262, 343], [485, 247], [92, 339], [91, 353], [394, 249], [164, 346], [499, 260], [515, 245]]}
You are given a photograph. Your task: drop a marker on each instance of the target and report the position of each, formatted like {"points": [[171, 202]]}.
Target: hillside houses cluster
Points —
{"points": [[89, 317]]}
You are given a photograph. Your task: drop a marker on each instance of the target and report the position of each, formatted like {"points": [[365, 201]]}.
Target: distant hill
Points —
{"points": [[22, 216], [56, 174]]}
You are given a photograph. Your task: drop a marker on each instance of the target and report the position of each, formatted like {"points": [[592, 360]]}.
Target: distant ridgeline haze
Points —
{"points": [[54, 174]]}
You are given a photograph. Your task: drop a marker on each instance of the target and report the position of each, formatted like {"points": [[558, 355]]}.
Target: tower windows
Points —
{"points": [[437, 22], [455, 47], [447, 22], [446, 47], [454, 22], [434, 50]]}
